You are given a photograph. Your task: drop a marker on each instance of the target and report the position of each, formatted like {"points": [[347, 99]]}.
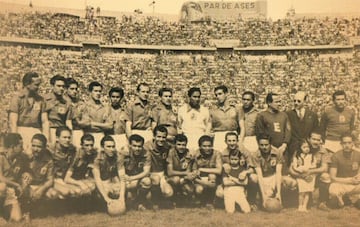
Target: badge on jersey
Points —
{"points": [[184, 165], [61, 110], [164, 155], [242, 162], [342, 119], [43, 171], [140, 165], [273, 162], [16, 169], [355, 166]]}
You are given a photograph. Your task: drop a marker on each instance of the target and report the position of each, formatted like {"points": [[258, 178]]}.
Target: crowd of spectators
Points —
{"points": [[142, 30], [318, 74]]}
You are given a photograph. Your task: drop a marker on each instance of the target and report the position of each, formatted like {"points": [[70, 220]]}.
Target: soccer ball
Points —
{"points": [[272, 205], [116, 208], [113, 195]]}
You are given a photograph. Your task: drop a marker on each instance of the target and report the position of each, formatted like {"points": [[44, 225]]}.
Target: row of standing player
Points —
{"points": [[29, 113]]}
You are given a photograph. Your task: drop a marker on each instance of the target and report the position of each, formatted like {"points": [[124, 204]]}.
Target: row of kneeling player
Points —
{"points": [[148, 175]]}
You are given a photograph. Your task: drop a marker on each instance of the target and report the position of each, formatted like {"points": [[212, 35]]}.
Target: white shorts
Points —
{"points": [[146, 134], [27, 133], [269, 186], [97, 136], [219, 141], [193, 141], [339, 190], [250, 144], [235, 195], [332, 145], [120, 141], [76, 137]]}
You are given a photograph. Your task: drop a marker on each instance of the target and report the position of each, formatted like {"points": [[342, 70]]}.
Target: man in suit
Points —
{"points": [[302, 120]]}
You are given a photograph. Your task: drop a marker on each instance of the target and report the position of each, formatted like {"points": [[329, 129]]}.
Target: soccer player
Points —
{"points": [[323, 162], [134, 168], [345, 172], [268, 163], [336, 120], [63, 154], [77, 108], [80, 171], [194, 119], [225, 118], [159, 150], [12, 166], [208, 164], [139, 113], [274, 123], [57, 107], [232, 143], [119, 116], [164, 114], [40, 172], [179, 167], [27, 113], [302, 120], [96, 116], [105, 172], [250, 114]]}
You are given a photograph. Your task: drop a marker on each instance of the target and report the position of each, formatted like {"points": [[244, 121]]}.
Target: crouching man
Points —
{"points": [[106, 177], [208, 164], [268, 164], [134, 168], [11, 168], [345, 172], [79, 173], [180, 162]]}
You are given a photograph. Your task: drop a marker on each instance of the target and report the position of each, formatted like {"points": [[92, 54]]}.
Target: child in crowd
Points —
{"points": [[302, 162]]}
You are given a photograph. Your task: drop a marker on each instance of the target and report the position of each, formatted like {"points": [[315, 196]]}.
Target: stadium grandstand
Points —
{"points": [[319, 55]]}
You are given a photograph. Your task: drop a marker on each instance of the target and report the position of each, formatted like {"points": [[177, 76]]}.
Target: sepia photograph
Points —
{"points": [[179, 113]]}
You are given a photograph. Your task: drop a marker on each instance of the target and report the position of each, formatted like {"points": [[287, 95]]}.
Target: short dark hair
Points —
{"points": [[338, 93], [142, 84], [87, 137], [180, 138], [118, 90], [205, 138], [165, 89], [222, 87], [94, 84], [60, 129], [12, 140], [106, 138], [316, 131], [28, 78], [252, 94], [346, 134], [231, 134], [269, 97], [41, 138], [160, 128], [57, 78], [192, 90], [136, 138], [263, 136], [70, 81]]}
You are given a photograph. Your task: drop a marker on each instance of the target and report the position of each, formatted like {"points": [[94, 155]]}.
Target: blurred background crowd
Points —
{"points": [[154, 31]]}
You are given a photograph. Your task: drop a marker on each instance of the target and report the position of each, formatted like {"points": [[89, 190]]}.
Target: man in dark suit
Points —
{"points": [[302, 120]]}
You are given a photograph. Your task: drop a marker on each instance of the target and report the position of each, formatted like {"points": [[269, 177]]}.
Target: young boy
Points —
{"points": [[235, 179]]}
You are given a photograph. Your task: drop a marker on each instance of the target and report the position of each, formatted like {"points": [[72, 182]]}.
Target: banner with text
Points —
{"points": [[223, 10]]}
